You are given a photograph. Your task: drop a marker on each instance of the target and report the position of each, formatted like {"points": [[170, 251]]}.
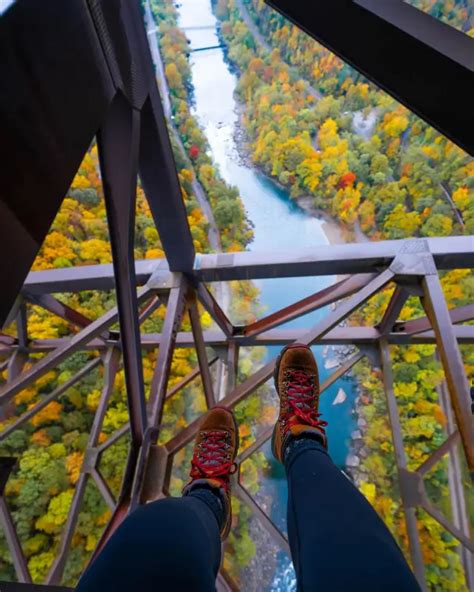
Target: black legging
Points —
{"points": [[338, 542]]}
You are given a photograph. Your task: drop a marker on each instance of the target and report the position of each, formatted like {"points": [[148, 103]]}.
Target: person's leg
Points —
{"points": [[338, 542], [171, 544], [175, 544]]}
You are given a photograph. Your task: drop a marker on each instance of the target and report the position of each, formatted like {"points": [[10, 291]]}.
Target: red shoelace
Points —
{"points": [[302, 401], [213, 458]]}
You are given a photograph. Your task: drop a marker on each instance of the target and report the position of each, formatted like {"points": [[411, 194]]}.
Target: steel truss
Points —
{"points": [[118, 82], [411, 268]]}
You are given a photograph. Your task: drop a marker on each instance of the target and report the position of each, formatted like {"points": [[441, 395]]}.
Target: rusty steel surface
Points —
{"points": [[126, 112]]}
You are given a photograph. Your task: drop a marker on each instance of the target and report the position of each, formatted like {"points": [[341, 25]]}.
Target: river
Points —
{"points": [[279, 225]]}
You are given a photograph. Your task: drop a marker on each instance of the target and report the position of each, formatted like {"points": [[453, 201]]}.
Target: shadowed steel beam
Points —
{"points": [[149, 309], [174, 315], [45, 132], [22, 324], [16, 364], [187, 379], [263, 437], [445, 523], [308, 338], [260, 515], [438, 454], [213, 308], [104, 489], [341, 289], [394, 308], [171, 393], [59, 309], [343, 369], [160, 182], [232, 366], [337, 336], [225, 583], [55, 574], [114, 438], [7, 464], [7, 340], [76, 318], [118, 142], [19, 358], [395, 33], [51, 397], [457, 315], [438, 313], [111, 364], [206, 378], [13, 542], [397, 439], [460, 514], [67, 348], [174, 312]]}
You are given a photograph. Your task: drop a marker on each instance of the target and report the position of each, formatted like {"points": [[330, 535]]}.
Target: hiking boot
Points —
{"points": [[213, 459], [297, 384]]}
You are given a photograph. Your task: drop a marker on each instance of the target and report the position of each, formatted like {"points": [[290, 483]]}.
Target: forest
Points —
{"points": [[321, 130]]}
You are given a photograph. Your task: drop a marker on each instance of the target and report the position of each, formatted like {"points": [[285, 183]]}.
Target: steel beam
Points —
{"points": [[454, 252], [62, 388], [11, 536], [171, 393], [103, 488], [118, 142], [206, 378], [446, 524], [45, 133], [13, 543], [338, 336], [460, 513], [65, 349], [232, 366], [189, 378], [160, 182], [341, 289], [159, 383], [111, 364], [400, 458], [213, 308], [438, 313], [396, 34], [260, 515], [438, 454], [460, 314], [58, 308], [308, 338], [394, 308]]}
